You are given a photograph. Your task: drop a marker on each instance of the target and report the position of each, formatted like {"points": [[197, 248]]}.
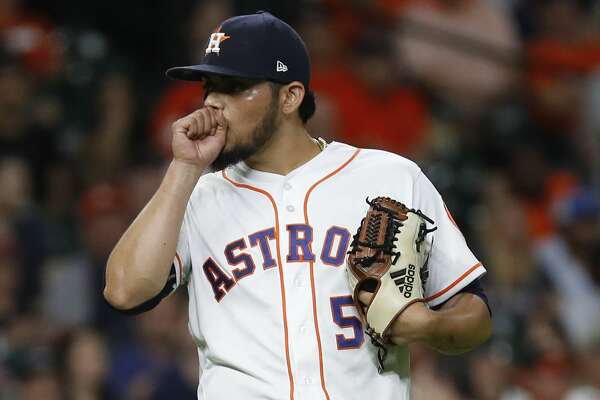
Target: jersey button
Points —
{"points": [[308, 380], [287, 186], [298, 282], [302, 329], [290, 208]]}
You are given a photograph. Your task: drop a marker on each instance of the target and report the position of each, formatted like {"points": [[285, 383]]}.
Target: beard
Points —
{"points": [[259, 137]]}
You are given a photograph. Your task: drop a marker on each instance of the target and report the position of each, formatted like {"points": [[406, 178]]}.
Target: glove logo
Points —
{"points": [[404, 279]]}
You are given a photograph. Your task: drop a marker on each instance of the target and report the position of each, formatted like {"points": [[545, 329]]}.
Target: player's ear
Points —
{"points": [[291, 96]]}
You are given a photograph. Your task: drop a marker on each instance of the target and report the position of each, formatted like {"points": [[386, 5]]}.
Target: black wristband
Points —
{"points": [[148, 305], [473, 288]]}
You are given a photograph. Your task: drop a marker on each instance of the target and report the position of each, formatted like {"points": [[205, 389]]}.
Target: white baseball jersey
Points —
{"points": [[263, 257]]}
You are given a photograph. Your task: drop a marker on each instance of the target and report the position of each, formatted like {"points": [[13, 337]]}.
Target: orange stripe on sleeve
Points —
{"points": [[280, 268], [456, 282]]}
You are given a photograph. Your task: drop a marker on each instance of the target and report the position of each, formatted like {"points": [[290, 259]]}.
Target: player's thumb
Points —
{"points": [[182, 125], [365, 297]]}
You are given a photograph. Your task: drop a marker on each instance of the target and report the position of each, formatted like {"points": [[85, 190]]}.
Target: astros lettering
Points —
{"points": [[244, 264]]}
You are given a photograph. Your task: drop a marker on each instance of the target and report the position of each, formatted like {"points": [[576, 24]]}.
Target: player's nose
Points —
{"points": [[214, 100]]}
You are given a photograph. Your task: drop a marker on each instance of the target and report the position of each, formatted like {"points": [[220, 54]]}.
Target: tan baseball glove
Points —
{"points": [[387, 257]]}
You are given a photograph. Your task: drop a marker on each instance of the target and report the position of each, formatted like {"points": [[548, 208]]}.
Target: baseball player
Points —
{"points": [[255, 217]]}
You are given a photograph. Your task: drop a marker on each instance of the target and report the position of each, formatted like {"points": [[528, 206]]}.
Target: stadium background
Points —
{"points": [[498, 101]]}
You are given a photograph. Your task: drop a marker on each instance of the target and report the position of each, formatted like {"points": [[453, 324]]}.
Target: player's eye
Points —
{"points": [[237, 85], [230, 85]]}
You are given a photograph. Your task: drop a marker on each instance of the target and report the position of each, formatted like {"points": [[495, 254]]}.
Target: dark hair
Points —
{"points": [[307, 107]]}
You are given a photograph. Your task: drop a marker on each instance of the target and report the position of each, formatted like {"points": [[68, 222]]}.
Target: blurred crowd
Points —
{"points": [[497, 100]]}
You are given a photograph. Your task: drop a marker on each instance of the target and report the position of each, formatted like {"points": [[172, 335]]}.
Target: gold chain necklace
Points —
{"points": [[320, 142]]}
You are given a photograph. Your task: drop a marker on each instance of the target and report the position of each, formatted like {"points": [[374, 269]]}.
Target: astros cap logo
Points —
{"points": [[215, 41], [247, 54]]}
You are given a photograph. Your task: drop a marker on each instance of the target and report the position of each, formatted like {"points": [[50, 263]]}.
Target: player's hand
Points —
{"points": [[413, 325], [199, 137]]}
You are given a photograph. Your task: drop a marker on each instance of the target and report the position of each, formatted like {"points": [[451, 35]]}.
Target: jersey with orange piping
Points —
{"points": [[263, 258]]}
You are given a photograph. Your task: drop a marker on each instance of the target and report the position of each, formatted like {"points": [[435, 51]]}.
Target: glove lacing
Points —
{"points": [[387, 247]]}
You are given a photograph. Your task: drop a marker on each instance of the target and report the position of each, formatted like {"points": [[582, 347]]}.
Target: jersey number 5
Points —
{"points": [[343, 342]]}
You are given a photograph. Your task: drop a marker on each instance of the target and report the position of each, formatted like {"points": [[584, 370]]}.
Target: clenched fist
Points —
{"points": [[199, 137]]}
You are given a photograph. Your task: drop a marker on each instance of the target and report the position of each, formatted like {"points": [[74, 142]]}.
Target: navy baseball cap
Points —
{"points": [[257, 46]]}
